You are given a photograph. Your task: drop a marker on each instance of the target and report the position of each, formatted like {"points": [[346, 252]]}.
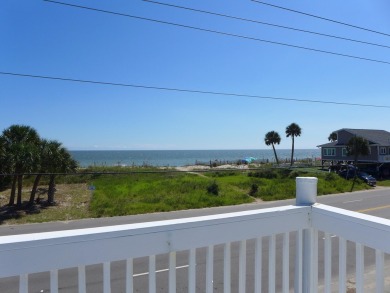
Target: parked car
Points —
{"points": [[349, 174], [370, 180]]}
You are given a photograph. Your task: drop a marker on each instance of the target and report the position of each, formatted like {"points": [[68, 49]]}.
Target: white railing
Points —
{"points": [[237, 252]]}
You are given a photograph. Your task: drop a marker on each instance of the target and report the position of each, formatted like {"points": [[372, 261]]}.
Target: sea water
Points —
{"points": [[182, 157]]}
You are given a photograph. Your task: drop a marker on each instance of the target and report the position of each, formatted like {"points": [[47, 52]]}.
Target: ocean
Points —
{"points": [[170, 158]]}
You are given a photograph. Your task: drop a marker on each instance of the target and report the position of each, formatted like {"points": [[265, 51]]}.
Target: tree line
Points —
{"points": [[272, 138], [22, 152]]}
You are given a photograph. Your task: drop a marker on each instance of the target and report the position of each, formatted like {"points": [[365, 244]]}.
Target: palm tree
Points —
{"points": [[357, 146], [43, 159], [332, 137], [4, 164], [60, 162], [272, 138], [293, 130], [21, 144]]}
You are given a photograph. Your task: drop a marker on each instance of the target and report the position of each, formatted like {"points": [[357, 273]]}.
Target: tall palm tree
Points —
{"points": [[357, 146], [332, 137], [293, 130], [21, 144], [272, 138]]}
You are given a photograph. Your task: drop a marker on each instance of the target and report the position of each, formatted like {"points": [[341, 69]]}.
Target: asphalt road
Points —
{"points": [[374, 202]]}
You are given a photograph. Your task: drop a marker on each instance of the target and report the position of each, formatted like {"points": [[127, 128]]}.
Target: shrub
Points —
{"points": [[294, 174], [330, 177], [267, 174], [254, 189], [213, 188]]}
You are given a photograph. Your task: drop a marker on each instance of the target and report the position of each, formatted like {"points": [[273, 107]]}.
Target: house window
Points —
{"points": [[344, 152], [329, 152], [383, 151]]}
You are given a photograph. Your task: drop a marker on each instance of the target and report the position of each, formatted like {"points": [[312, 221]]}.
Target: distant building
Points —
{"points": [[378, 140]]}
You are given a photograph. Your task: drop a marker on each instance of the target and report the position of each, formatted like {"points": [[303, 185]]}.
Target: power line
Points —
{"points": [[267, 23], [220, 33], [320, 17], [188, 90]]}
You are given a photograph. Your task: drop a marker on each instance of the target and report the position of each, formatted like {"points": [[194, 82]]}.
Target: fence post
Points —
{"points": [[306, 279]]}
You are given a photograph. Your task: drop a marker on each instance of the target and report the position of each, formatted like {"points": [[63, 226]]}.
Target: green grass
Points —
{"points": [[384, 183], [148, 193], [142, 190]]}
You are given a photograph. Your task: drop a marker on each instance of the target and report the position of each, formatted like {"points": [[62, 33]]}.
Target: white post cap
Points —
{"points": [[306, 191]]}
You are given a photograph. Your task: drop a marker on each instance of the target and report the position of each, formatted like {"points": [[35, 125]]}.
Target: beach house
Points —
{"points": [[379, 148]]}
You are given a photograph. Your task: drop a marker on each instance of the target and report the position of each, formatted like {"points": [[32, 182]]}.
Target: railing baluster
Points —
{"points": [[242, 267], [53, 281], [209, 269], [286, 262], [298, 262], [23, 284], [172, 272], [258, 264], [380, 276], [359, 268], [227, 268], [81, 279], [152, 274], [327, 263], [271, 265], [342, 264], [107, 277], [129, 275], [192, 271], [315, 259]]}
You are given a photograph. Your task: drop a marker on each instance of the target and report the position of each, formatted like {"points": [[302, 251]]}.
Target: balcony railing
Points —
{"points": [[283, 249]]}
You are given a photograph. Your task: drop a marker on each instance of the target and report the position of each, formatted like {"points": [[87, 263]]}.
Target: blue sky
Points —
{"points": [[47, 39]]}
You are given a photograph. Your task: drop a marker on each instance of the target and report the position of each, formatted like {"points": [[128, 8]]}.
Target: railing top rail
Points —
{"points": [[150, 227], [365, 229], [63, 249]]}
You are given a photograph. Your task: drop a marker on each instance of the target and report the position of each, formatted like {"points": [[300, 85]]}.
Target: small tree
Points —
{"points": [[332, 137], [357, 146], [272, 138]]}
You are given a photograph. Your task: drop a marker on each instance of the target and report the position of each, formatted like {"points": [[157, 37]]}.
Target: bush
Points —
{"points": [[266, 174], [223, 174], [213, 188], [330, 177], [254, 189], [294, 174]]}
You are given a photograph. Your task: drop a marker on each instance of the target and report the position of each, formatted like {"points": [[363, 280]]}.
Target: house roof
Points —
{"points": [[327, 145], [380, 137]]}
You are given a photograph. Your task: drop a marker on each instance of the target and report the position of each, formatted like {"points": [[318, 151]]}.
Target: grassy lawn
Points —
{"points": [[147, 192]]}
